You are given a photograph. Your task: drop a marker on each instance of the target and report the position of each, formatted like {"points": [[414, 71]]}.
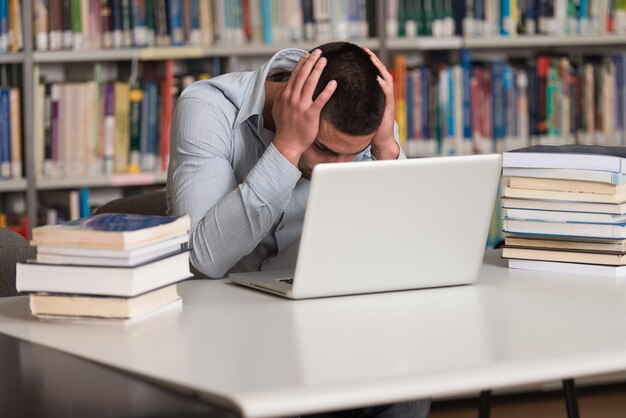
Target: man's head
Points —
{"points": [[353, 113]]}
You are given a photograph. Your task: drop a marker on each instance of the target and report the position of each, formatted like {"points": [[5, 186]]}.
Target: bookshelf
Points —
{"points": [[387, 47]]}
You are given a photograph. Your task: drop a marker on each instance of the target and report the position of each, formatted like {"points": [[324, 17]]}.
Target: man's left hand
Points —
{"points": [[384, 145]]}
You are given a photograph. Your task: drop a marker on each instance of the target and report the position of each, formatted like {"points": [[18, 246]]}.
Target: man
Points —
{"points": [[244, 145]]}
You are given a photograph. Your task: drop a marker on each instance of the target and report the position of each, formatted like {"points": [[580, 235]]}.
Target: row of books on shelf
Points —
{"points": [[564, 209], [104, 24], [93, 128], [475, 18], [107, 268], [11, 33], [483, 107]]}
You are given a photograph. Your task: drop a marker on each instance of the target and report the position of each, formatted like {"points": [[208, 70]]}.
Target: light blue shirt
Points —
{"points": [[245, 200]]}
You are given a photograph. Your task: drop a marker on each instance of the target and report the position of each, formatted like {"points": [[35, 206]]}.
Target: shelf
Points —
{"points": [[11, 58], [532, 41], [426, 43], [183, 52], [116, 180], [18, 185]]}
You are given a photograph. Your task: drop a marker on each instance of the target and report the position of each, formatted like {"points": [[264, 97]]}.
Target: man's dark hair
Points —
{"points": [[358, 104]]}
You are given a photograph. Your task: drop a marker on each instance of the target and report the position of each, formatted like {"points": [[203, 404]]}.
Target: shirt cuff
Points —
{"points": [[273, 178]]}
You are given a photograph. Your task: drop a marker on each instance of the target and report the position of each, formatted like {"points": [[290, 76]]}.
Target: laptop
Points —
{"points": [[379, 226]]}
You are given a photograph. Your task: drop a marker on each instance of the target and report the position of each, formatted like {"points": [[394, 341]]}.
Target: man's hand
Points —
{"points": [[296, 115], [384, 146]]}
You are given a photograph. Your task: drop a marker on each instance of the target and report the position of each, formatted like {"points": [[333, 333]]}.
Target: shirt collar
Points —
{"points": [[254, 98]]}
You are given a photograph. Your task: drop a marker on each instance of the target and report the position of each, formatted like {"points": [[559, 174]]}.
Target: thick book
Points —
{"points": [[112, 281], [173, 307], [112, 231], [573, 229], [574, 186], [568, 196], [102, 306], [569, 268], [565, 256], [563, 216], [583, 157], [565, 243], [563, 205], [566, 174], [119, 258]]}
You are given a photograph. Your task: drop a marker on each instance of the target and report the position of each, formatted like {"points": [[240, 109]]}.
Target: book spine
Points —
{"points": [[40, 26], [466, 65], [84, 210], [5, 134], [139, 29], [16, 132], [77, 26], [167, 106], [108, 149], [499, 106], [175, 22], [195, 37], [410, 89]]}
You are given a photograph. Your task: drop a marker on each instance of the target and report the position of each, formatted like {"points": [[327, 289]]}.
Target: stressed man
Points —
{"points": [[244, 145]]}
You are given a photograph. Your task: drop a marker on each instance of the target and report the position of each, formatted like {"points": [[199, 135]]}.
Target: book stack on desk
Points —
{"points": [[116, 267], [565, 209]]}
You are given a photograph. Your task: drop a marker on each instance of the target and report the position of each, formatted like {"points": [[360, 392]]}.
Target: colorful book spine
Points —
{"points": [[5, 133], [175, 22]]}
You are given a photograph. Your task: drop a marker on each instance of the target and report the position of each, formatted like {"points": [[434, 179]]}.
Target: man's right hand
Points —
{"points": [[295, 114]]}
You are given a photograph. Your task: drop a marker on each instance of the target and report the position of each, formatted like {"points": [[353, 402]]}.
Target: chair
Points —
{"points": [[13, 248], [151, 203]]}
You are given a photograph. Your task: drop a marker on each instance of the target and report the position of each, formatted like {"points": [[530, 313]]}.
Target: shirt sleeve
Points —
{"points": [[228, 220]]}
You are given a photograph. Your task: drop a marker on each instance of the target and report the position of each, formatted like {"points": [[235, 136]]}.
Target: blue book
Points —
{"points": [[505, 16], [424, 73], [466, 65], [196, 34], [5, 133], [151, 94], [138, 18], [498, 98], [83, 198], [410, 120], [581, 157], [112, 230], [175, 22], [4, 26], [449, 111], [266, 18]]}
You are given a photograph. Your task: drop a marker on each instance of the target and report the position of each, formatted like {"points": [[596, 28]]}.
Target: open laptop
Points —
{"points": [[389, 225]]}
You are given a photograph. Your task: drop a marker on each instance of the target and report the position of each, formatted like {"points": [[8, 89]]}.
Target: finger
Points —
{"points": [[324, 96], [387, 87], [314, 78], [294, 74], [304, 73], [381, 67]]}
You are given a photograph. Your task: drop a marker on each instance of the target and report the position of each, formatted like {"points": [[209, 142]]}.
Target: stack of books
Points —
{"points": [[565, 209], [112, 267]]}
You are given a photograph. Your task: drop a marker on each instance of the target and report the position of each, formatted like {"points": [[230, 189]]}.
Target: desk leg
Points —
{"points": [[571, 400], [484, 408]]}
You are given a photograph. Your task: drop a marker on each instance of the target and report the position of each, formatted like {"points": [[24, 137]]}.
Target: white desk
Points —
{"points": [[267, 356]]}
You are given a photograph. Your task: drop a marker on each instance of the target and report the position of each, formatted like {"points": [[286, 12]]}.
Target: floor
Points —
{"points": [[594, 402]]}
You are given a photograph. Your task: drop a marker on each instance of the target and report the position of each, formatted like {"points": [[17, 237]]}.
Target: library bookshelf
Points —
{"points": [[387, 47]]}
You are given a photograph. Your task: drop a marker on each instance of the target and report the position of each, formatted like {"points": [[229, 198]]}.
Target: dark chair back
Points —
{"points": [[13, 248], [151, 203]]}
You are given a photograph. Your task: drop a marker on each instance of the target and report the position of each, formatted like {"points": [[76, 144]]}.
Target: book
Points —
{"points": [[107, 281], [569, 268], [120, 258], [585, 157], [566, 174], [174, 306], [561, 185], [563, 205], [563, 216], [101, 306], [564, 256], [112, 231], [565, 243], [569, 196], [574, 229]]}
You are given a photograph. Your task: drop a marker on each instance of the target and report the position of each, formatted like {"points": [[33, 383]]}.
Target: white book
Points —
{"points": [[566, 174], [562, 216], [572, 156], [563, 205], [573, 229], [569, 268], [104, 257], [106, 281]]}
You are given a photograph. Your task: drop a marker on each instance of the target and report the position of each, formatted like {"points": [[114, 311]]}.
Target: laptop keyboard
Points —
{"points": [[288, 281]]}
